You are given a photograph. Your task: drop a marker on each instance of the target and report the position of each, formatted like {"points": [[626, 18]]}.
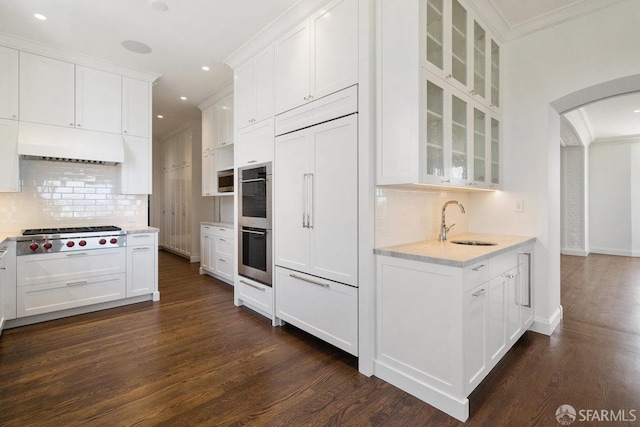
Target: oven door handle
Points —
{"points": [[253, 180], [262, 233]]}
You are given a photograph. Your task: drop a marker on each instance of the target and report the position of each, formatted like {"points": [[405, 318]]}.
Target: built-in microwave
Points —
{"points": [[225, 181]]}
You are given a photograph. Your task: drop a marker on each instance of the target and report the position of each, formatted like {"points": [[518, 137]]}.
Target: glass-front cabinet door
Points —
{"points": [[459, 148], [435, 33], [435, 130], [479, 147], [495, 153], [479, 61], [495, 75], [459, 42]]}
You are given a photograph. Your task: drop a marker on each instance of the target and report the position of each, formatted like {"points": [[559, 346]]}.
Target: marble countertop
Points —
{"points": [[218, 224], [450, 254]]}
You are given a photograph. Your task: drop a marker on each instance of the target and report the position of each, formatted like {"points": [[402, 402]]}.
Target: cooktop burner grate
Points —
{"points": [[67, 230]]}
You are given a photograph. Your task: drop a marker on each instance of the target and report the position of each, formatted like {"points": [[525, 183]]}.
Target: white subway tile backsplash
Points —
{"points": [[57, 194], [408, 215]]}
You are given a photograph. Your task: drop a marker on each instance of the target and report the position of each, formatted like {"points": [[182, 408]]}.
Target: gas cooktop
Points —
{"points": [[69, 230]]}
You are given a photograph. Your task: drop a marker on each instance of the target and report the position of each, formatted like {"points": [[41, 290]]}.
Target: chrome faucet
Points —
{"points": [[443, 227]]}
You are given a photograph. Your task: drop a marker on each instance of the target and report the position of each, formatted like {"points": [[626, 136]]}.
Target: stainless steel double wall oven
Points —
{"points": [[254, 222]]}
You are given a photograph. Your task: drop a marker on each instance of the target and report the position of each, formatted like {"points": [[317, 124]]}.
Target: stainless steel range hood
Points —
{"points": [[46, 142]]}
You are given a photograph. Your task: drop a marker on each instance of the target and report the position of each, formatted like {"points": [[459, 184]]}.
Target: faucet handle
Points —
{"points": [[450, 227]]}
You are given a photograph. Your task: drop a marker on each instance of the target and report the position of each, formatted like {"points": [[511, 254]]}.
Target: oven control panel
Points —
{"points": [[45, 244]]}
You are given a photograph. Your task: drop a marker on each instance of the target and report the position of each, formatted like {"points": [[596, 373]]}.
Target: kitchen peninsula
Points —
{"points": [[446, 313]]}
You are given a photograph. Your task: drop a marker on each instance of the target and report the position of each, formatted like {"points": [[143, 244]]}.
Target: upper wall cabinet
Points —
{"points": [[9, 163], [224, 111], [98, 100], [457, 48], [254, 89], [8, 83], [435, 129], [136, 107], [136, 168], [317, 57], [47, 90]]}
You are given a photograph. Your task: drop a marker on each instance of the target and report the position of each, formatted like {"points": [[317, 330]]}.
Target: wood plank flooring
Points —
{"points": [[194, 359]]}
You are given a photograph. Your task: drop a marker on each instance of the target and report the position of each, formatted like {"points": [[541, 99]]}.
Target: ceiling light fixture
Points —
{"points": [[160, 116], [158, 5], [204, 67], [184, 98], [636, 111], [40, 16], [136, 47]]}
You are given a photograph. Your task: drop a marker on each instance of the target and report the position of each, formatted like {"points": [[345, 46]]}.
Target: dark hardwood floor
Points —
{"points": [[195, 359]]}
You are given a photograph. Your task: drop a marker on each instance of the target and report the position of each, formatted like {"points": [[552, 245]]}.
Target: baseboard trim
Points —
{"points": [[615, 252], [547, 326], [574, 252]]}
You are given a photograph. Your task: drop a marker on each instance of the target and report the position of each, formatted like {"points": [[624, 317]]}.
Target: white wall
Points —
{"points": [[610, 192], [409, 215], [635, 200], [542, 69], [60, 194]]}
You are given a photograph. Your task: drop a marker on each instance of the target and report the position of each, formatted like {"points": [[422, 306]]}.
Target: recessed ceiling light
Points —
{"points": [[204, 67], [158, 5], [636, 111], [184, 98], [160, 116], [40, 16], [136, 47]]}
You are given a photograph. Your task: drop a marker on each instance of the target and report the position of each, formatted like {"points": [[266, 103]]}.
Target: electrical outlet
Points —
{"points": [[519, 205]]}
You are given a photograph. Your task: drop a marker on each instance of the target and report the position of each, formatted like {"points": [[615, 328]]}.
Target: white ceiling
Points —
{"points": [[193, 33]]}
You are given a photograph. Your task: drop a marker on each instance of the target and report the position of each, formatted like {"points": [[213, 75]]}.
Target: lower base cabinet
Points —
{"points": [[323, 308], [256, 295], [217, 251], [440, 329], [142, 264]]}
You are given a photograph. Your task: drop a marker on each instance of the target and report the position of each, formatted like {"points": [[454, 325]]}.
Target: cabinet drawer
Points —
{"points": [[476, 274], [256, 295], [217, 230], [223, 247], [325, 309], [61, 295], [140, 239], [503, 263], [224, 267]]}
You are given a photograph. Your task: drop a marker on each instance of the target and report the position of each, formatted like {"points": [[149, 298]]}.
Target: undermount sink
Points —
{"points": [[473, 243]]}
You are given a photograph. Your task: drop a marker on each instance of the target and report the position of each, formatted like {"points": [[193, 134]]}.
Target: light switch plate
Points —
{"points": [[519, 207]]}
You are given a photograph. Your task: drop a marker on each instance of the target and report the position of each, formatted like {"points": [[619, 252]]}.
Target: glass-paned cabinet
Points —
{"points": [[458, 42], [435, 130], [479, 146], [479, 60], [458, 138], [435, 33], [495, 152], [495, 74]]}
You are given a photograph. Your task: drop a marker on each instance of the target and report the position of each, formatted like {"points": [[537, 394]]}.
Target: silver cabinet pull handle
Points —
{"points": [[143, 248], [138, 236], [79, 283], [252, 180], [304, 279], [528, 255], [311, 196], [305, 202], [480, 267], [479, 293], [77, 254], [253, 286]]}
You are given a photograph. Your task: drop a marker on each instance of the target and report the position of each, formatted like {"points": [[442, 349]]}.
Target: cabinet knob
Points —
{"points": [[79, 125], [448, 76], [306, 98], [70, 124], [124, 131], [14, 116], [446, 181]]}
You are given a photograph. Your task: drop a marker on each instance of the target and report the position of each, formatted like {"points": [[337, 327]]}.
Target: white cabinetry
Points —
{"points": [[254, 89], [439, 125], [305, 301], [98, 100], [142, 264], [180, 192], [3, 284], [8, 83], [255, 144], [441, 329], [47, 90], [9, 160], [217, 251], [217, 144], [136, 168], [136, 107], [314, 236], [317, 57]]}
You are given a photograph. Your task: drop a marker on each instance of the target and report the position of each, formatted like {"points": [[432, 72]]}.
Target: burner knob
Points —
{"points": [[70, 244], [48, 245], [102, 241], [82, 243], [114, 241], [34, 246]]}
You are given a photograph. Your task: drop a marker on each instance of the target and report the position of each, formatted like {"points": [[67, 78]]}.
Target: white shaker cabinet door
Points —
{"points": [[9, 160], [136, 107], [291, 175], [244, 92], [47, 90], [335, 200], [136, 169], [98, 100], [334, 47], [292, 58], [8, 83]]}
